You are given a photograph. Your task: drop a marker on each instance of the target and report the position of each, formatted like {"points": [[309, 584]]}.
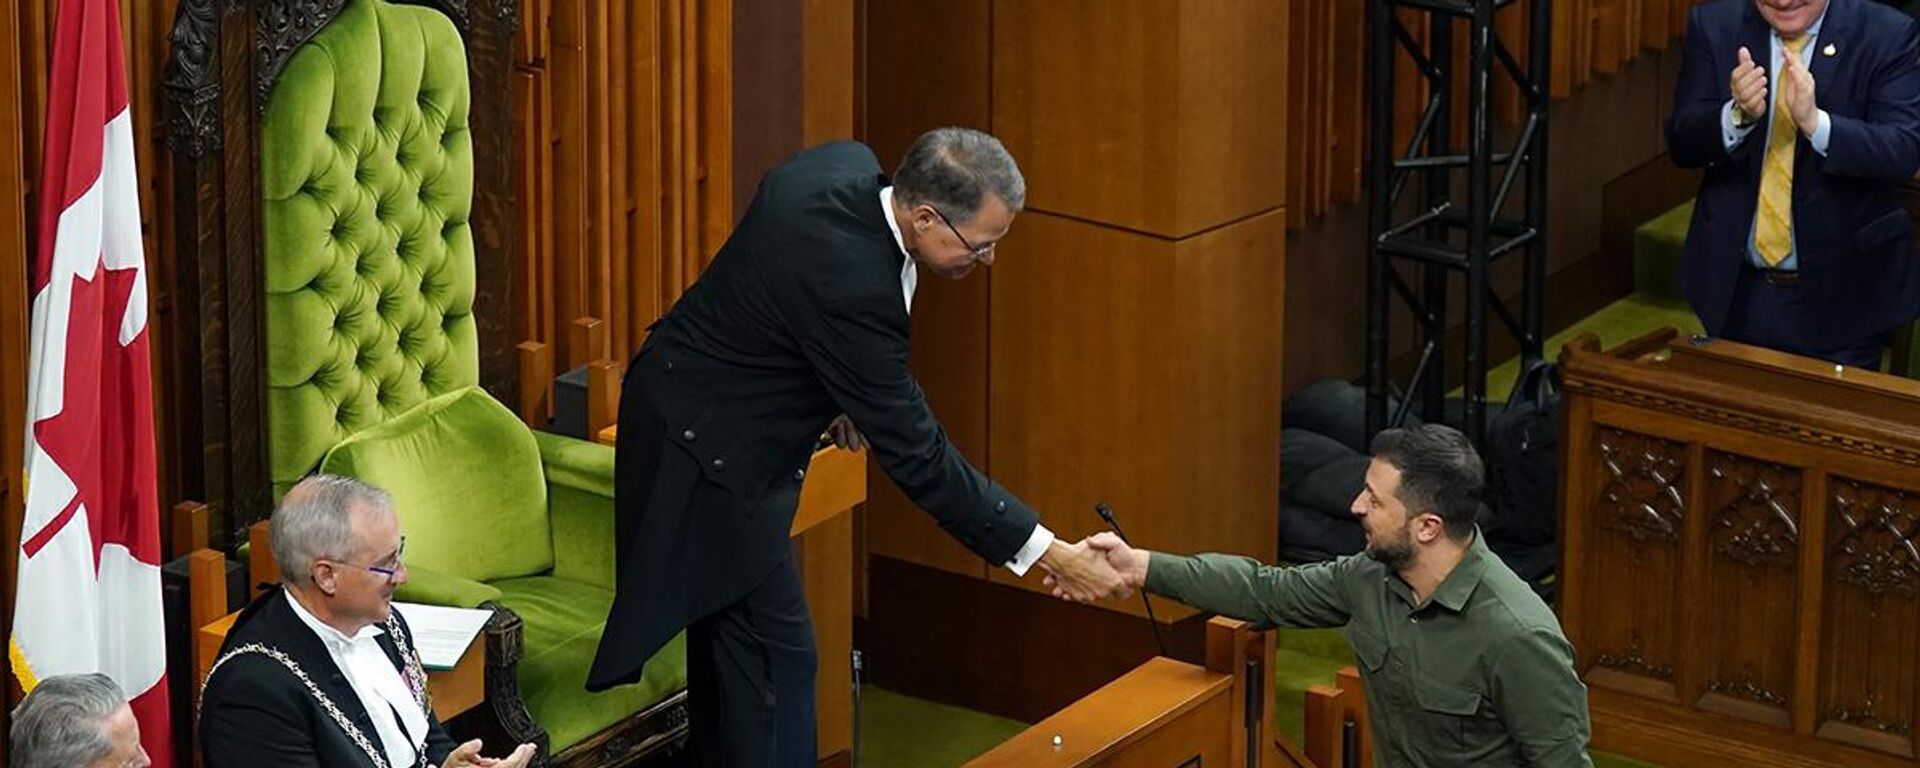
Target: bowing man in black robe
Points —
{"points": [[801, 321]]}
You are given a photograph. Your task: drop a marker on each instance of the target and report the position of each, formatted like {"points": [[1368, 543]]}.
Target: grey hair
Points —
{"points": [[1440, 472], [62, 722], [315, 521], [952, 169]]}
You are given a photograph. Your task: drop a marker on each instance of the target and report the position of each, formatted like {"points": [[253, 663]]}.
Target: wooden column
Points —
{"points": [[1134, 327]]}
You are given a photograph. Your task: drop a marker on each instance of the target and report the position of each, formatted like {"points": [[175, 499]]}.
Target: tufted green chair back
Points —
{"points": [[367, 183]]}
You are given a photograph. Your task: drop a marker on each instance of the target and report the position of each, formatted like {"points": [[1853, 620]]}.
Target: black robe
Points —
{"points": [[800, 317], [255, 711]]}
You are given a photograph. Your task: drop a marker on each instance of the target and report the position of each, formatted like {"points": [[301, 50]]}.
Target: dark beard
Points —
{"points": [[1394, 554]]}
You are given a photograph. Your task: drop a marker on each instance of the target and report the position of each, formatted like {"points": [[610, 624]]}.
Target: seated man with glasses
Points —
{"points": [[323, 672]]}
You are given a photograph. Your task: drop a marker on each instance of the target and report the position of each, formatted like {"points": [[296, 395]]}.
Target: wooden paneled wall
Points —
{"points": [[623, 126], [1124, 346], [1326, 46]]}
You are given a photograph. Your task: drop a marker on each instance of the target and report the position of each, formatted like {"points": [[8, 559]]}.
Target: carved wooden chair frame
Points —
{"points": [[224, 59]]}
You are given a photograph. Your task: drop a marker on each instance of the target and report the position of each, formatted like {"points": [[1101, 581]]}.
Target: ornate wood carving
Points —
{"points": [[1746, 686], [1753, 511], [1874, 549], [1633, 659], [1759, 525], [1740, 420], [1819, 664], [1640, 495], [1873, 611], [504, 651], [192, 80], [1867, 716], [282, 27], [658, 734]]}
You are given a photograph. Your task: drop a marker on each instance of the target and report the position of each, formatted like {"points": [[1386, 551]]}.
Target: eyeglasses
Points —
{"points": [[971, 251], [388, 571]]}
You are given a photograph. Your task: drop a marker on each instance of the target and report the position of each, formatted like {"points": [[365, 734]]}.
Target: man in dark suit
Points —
{"points": [[1805, 115], [322, 672], [803, 315]]}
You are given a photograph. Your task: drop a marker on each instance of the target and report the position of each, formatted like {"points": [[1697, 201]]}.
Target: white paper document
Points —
{"points": [[442, 634]]}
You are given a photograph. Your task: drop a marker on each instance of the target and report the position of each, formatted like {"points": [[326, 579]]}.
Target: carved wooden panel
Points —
{"points": [[1871, 627], [1639, 509], [1753, 512]]}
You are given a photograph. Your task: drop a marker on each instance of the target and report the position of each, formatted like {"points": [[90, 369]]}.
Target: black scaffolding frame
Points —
{"points": [[1435, 233]]}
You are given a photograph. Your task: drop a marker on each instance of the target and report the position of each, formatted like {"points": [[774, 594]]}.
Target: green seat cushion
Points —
{"points": [[466, 482], [367, 259], [563, 621], [1657, 245]]}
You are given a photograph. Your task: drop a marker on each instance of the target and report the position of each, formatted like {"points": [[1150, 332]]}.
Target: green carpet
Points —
{"points": [[904, 732], [1622, 321]]}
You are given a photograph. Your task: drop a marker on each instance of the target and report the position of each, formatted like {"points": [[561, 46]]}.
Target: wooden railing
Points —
{"points": [[1739, 570]]}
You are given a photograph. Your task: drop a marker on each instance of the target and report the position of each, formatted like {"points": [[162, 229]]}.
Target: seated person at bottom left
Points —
{"points": [[322, 671]]}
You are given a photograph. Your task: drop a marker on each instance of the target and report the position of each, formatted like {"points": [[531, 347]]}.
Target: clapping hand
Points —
{"points": [[468, 756], [1797, 93], [1748, 84]]}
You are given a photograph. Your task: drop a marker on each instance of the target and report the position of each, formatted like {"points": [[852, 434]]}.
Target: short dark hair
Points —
{"points": [[952, 169], [1440, 472]]}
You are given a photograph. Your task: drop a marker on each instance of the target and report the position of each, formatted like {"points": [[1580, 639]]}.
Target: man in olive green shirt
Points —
{"points": [[1463, 664]]}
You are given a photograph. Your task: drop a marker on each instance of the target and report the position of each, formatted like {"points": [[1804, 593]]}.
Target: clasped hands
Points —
{"points": [[1748, 83], [1099, 567]]}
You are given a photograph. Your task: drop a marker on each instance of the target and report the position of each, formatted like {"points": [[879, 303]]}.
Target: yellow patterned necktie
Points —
{"points": [[1773, 227]]}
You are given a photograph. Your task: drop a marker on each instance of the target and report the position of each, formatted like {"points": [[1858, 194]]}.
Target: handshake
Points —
{"points": [[1099, 567]]}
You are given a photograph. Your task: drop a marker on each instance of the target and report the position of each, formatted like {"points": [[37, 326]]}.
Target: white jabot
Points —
{"points": [[378, 684], [909, 276]]}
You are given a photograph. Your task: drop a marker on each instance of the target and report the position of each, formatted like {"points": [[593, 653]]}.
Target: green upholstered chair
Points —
{"points": [[480, 497], [366, 352]]}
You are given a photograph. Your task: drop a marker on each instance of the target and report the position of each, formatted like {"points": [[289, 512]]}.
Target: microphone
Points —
{"points": [[1106, 514]]}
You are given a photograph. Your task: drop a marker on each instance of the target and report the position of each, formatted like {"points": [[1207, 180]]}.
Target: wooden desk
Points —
{"points": [[1166, 713], [823, 544], [452, 691], [1740, 569]]}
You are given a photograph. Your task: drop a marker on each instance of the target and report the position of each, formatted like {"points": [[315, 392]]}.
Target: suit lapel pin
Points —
{"points": [[1829, 50]]}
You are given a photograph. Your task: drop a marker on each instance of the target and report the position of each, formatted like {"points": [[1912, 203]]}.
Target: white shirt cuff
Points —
{"points": [[1822, 134], [1730, 134], [1028, 555]]}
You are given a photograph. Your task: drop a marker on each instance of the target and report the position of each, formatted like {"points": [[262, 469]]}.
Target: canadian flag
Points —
{"points": [[88, 595]]}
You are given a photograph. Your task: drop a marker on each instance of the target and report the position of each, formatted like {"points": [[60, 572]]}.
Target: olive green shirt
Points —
{"points": [[1478, 675]]}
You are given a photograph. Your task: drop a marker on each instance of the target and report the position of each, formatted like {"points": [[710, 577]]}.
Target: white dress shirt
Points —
{"points": [[1041, 538], [378, 684]]}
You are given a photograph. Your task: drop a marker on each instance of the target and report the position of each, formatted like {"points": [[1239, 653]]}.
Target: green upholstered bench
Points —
{"points": [[1656, 253]]}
